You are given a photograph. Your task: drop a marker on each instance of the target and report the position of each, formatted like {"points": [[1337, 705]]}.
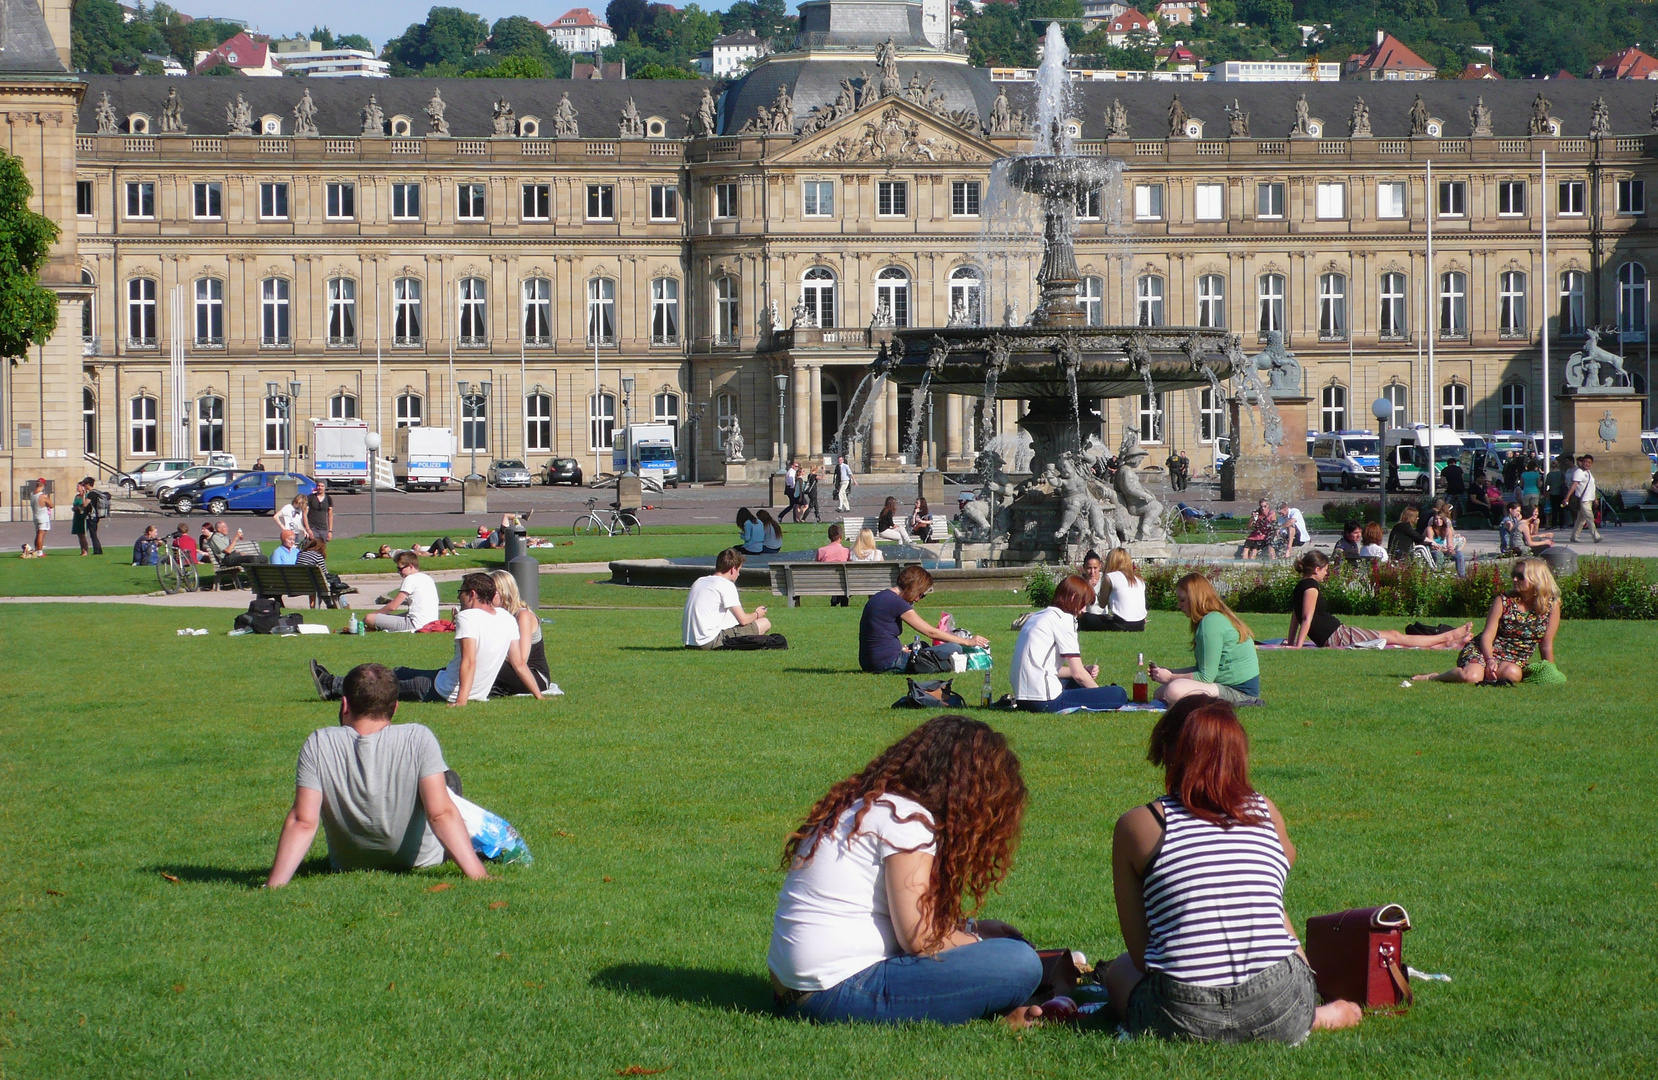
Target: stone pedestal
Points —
{"points": [[474, 495], [930, 486], [284, 488], [630, 492], [1607, 424], [777, 496], [1260, 470], [736, 472]]}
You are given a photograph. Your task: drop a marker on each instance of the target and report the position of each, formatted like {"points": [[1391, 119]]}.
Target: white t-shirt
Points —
{"points": [[1373, 551], [832, 920], [423, 598], [494, 631], [708, 609], [1299, 523], [1128, 602], [1587, 479], [1045, 639], [291, 518]]}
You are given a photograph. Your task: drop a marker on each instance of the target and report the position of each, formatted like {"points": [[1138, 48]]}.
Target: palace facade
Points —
{"points": [[596, 251]]}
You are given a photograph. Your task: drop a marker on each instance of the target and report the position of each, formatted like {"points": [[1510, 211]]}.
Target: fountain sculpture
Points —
{"points": [[1060, 365]]}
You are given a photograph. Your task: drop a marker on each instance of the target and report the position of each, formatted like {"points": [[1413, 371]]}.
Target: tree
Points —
{"points": [[516, 66], [448, 36], [28, 310], [517, 34], [661, 71], [627, 16], [353, 41]]}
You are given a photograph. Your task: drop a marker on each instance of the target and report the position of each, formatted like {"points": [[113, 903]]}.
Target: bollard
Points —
{"points": [[630, 493], [930, 486], [283, 489]]}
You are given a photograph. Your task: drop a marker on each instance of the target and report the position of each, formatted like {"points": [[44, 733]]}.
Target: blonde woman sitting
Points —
{"points": [[1222, 644], [866, 549], [1521, 621], [525, 671]]}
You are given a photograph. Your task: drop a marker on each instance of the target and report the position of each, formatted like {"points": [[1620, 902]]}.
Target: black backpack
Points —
{"points": [[264, 616], [757, 641]]}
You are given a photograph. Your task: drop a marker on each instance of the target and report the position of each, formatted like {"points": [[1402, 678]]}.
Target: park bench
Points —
{"points": [[844, 579], [231, 577], [283, 581], [1638, 501]]}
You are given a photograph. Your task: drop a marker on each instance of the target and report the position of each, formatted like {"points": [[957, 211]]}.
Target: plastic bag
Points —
{"points": [[493, 837], [977, 659]]}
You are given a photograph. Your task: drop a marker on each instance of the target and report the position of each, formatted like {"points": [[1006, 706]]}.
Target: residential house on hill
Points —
{"points": [[1389, 60]]}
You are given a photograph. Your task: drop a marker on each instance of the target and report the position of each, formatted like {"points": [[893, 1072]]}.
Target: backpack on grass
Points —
{"points": [[757, 641], [264, 616], [930, 694]]}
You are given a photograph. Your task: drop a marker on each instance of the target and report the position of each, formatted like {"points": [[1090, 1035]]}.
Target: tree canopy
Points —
{"points": [[28, 310]]}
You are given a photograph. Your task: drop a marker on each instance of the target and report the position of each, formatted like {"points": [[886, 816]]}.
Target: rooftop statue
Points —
{"points": [[1419, 116], [1116, 126], [1303, 122], [434, 113], [1358, 125], [1237, 121], [706, 115], [1600, 120], [239, 116], [502, 122], [1540, 118], [632, 125], [172, 113], [374, 118], [305, 115], [1479, 119], [110, 124], [1177, 118], [564, 119], [886, 57]]}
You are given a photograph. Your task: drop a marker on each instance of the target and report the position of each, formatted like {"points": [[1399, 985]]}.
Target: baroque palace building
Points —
{"points": [[565, 241]]}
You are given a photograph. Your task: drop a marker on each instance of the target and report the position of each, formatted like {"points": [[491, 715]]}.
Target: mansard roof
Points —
{"points": [[814, 81], [27, 44]]}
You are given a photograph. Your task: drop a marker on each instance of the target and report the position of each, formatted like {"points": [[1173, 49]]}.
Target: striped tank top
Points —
{"points": [[1215, 899]]}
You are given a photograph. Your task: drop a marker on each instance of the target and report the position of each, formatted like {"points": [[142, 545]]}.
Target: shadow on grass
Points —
{"points": [[735, 990], [650, 648], [250, 878], [819, 671]]}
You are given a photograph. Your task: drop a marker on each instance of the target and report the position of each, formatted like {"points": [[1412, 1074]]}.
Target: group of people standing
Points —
{"points": [[88, 509]]}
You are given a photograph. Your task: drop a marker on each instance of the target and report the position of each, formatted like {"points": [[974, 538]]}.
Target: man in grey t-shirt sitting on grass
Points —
{"points": [[381, 790]]}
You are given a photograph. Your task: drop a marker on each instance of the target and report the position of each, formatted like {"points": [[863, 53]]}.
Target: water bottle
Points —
{"points": [[356, 627], [985, 695]]}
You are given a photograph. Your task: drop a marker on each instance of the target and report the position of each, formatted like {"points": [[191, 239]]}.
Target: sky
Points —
{"points": [[380, 20]]}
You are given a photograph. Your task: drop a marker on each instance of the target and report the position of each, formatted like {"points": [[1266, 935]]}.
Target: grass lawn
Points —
{"points": [[147, 776]]}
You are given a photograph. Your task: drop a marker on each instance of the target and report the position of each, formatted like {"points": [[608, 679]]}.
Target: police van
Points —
{"points": [[1407, 453], [1346, 459]]}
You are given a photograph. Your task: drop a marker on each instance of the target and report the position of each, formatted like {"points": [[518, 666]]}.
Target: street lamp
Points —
{"points": [[1382, 410], [293, 403], [628, 384], [284, 403], [471, 405], [372, 441], [782, 382]]}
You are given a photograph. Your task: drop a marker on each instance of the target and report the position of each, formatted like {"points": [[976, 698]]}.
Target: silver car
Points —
{"points": [[508, 472]]}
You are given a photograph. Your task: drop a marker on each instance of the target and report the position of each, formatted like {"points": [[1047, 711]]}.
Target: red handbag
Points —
{"points": [[1356, 955]]}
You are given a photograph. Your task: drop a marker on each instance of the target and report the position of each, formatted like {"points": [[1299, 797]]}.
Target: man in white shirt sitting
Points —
{"points": [[417, 589], [714, 613], [484, 636]]}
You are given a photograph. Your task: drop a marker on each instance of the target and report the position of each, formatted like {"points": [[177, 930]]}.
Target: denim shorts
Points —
{"points": [[1275, 1005]]}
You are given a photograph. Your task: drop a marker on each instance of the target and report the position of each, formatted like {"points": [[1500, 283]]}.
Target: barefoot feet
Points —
{"points": [[1024, 1016], [1337, 1015]]}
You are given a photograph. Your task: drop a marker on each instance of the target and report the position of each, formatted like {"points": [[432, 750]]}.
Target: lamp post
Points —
{"points": [[293, 403], [627, 418], [1382, 410], [372, 441], [782, 382], [284, 402], [471, 403]]}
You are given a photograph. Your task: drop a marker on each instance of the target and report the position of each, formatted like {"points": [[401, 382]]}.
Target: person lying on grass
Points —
{"points": [[381, 790], [1520, 622], [1227, 667], [871, 924], [1199, 878], [1309, 618]]}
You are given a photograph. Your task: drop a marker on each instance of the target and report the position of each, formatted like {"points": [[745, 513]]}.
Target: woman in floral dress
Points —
{"points": [[1521, 622]]}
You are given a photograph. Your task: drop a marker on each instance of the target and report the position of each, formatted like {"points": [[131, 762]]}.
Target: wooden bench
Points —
{"points": [[845, 579], [231, 577], [851, 527], [1638, 501], [283, 581]]}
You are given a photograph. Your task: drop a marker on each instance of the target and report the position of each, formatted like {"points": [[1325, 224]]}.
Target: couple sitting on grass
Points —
{"points": [[875, 920]]}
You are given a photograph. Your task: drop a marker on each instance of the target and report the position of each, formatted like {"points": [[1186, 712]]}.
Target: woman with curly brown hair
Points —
{"points": [[873, 922]]}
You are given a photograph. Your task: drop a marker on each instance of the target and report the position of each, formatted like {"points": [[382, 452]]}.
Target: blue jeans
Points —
{"points": [[1074, 695], [969, 982]]}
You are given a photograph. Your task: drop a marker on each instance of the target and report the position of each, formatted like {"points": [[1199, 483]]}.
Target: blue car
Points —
{"points": [[254, 492]]}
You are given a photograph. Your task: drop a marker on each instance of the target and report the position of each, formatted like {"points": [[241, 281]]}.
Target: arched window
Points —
{"points": [[410, 410], [538, 311], [967, 295], [1453, 304], [1513, 402], [601, 311], [210, 424], [1391, 322], [342, 311], [142, 427], [210, 313], [1511, 305], [141, 332], [1332, 408], [1332, 308], [274, 325], [89, 320], [538, 423], [1091, 295], [1572, 285], [342, 407], [665, 409], [474, 326], [664, 311], [1632, 300], [89, 419], [1148, 300], [1151, 417], [405, 311], [1211, 414], [1453, 406], [1211, 301], [725, 414], [728, 319], [1399, 396], [1269, 294], [276, 428], [892, 291], [817, 292], [601, 420]]}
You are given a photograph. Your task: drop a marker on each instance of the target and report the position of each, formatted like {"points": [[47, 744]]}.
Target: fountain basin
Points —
{"points": [[1055, 176]]}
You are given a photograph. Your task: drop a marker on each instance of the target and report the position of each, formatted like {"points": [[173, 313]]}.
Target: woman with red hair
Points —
{"points": [[1199, 877], [1048, 672], [872, 924]]}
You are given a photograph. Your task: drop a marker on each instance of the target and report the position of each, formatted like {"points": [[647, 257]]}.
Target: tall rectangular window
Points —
{"points": [[1088, 204], [538, 311], [817, 198], [1330, 200], [141, 329], [1332, 307], [85, 198], [1211, 415], [1148, 202], [601, 311], [1269, 200], [1148, 306], [474, 422], [1511, 304], [1513, 403], [1572, 286], [725, 200], [340, 201], [273, 202], [210, 424], [210, 312], [1269, 293], [1390, 199], [469, 202], [1570, 195], [664, 311], [537, 202], [601, 421], [1391, 318], [1511, 198], [601, 202], [1631, 196], [405, 202], [1209, 202], [1453, 304], [405, 311], [1150, 414], [274, 313], [276, 428], [1211, 301], [1091, 295], [1453, 199], [964, 198], [144, 425], [474, 327], [207, 201], [140, 200], [538, 423], [342, 311], [892, 198], [664, 202]]}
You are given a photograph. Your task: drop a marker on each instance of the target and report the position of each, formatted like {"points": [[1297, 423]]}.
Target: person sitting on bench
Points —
{"points": [[416, 589], [832, 552], [714, 613], [484, 636], [380, 790]]}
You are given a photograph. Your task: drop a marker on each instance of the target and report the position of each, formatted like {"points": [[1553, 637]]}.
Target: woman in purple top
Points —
{"points": [[880, 631]]}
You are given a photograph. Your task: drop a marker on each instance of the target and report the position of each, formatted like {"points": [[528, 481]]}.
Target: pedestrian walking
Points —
{"points": [[1582, 488], [843, 485], [808, 496]]}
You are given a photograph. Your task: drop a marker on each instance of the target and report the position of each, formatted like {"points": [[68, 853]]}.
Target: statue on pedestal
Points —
{"points": [[172, 114], [1583, 368], [434, 113], [1284, 379], [1135, 499], [734, 442], [305, 116]]}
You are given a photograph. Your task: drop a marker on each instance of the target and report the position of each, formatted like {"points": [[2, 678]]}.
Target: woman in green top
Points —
{"points": [[1227, 667], [1531, 484]]}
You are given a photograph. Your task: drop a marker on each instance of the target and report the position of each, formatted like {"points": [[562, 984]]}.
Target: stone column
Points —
{"points": [[952, 430], [1587, 418], [878, 429], [814, 384], [800, 424], [1261, 470], [895, 438]]}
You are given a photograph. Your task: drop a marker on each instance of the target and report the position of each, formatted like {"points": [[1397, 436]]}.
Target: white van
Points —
{"points": [[1407, 453], [1347, 459]]}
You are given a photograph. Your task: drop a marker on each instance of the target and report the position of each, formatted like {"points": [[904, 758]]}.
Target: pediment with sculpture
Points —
{"points": [[894, 133]]}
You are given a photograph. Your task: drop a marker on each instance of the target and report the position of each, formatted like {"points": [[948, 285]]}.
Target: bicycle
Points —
{"points": [[175, 571], [618, 521]]}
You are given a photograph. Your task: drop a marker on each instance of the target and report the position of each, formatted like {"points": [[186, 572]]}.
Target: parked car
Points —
{"points": [[153, 473], [222, 459], [508, 472], [254, 492], [193, 474], [184, 498], [562, 470]]}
